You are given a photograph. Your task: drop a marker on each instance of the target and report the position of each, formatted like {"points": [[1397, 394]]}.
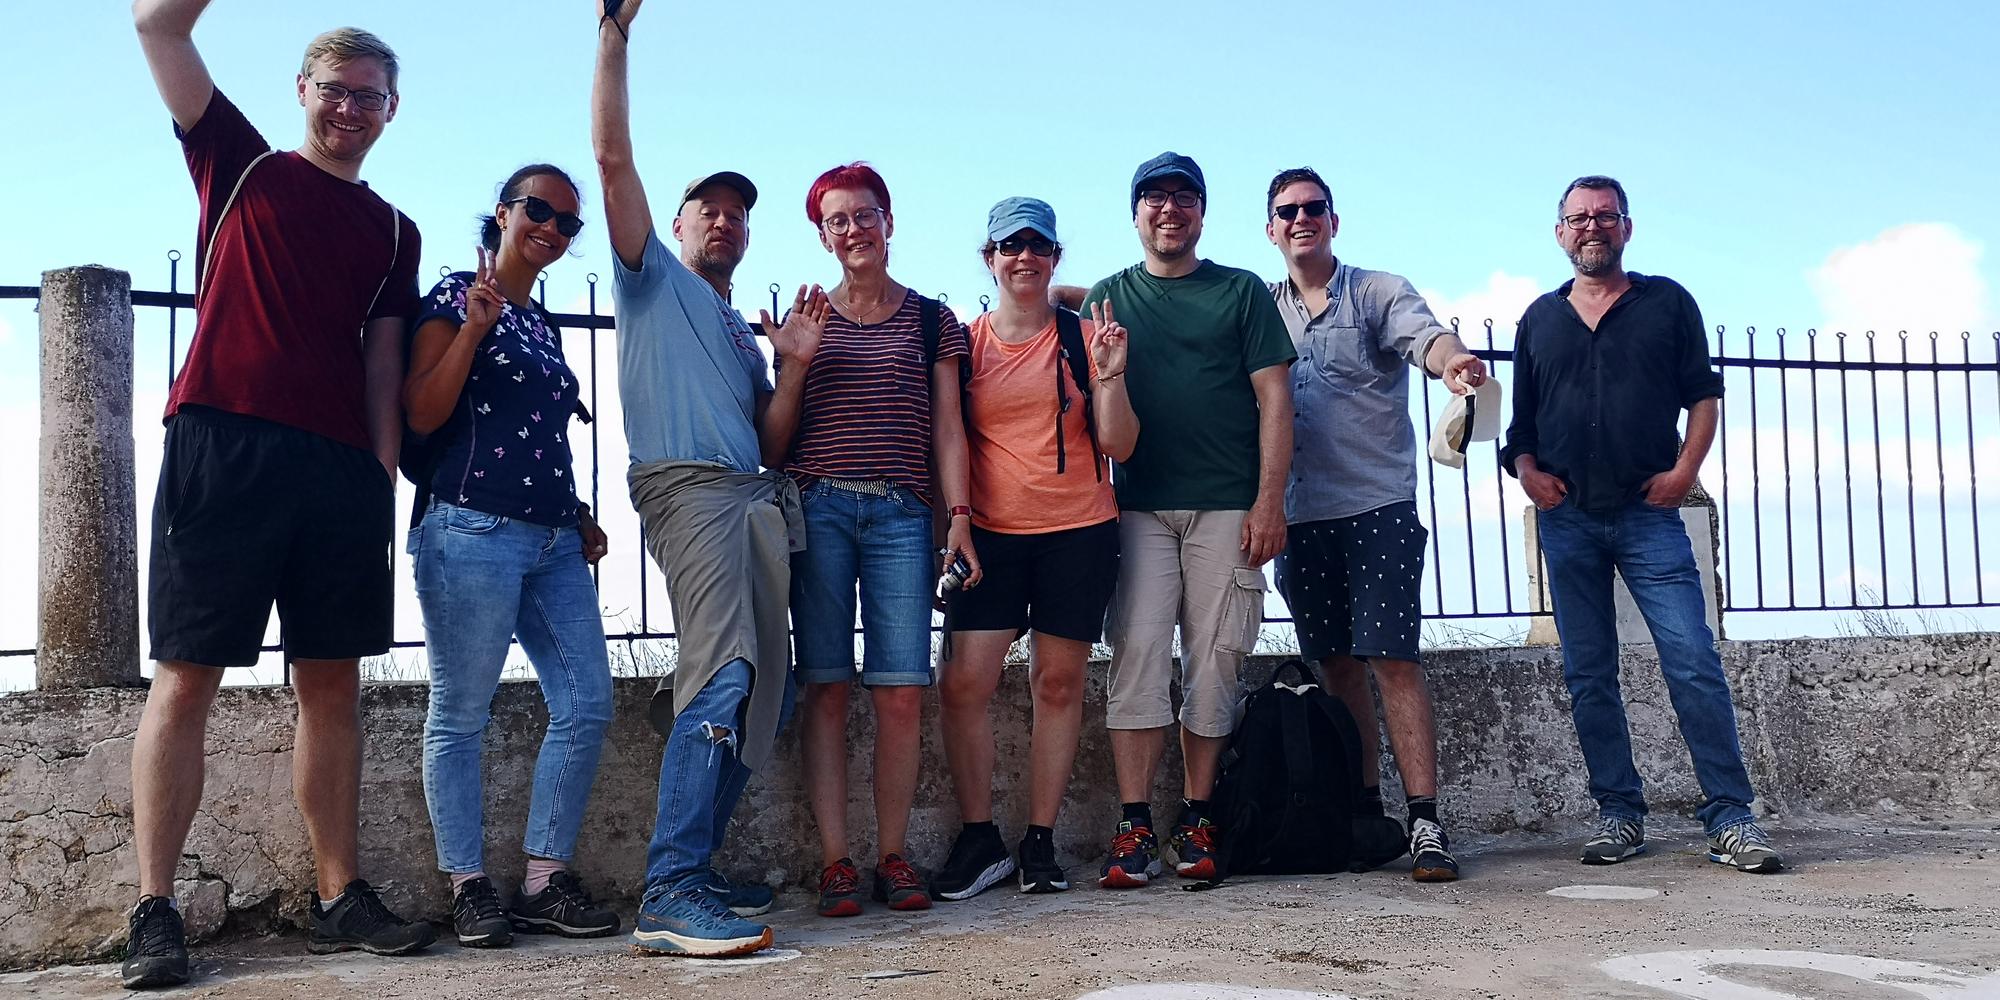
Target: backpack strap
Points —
{"points": [[1074, 355], [208, 259]]}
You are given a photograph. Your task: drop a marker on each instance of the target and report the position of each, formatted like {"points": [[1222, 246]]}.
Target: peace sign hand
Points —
{"points": [[1108, 341], [483, 301]]}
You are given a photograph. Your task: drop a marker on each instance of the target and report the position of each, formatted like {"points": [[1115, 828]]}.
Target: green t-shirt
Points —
{"points": [[1194, 342]]}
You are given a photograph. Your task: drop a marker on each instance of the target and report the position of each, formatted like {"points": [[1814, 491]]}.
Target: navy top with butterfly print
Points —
{"points": [[506, 448]]}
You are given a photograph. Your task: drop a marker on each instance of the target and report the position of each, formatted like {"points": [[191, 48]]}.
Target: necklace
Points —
{"points": [[861, 316]]}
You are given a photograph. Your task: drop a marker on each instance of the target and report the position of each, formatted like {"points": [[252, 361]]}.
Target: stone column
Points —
{"points": [[88, 623]]}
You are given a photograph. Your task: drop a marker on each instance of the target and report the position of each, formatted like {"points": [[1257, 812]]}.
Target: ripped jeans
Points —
{"points": [[700, 780]]}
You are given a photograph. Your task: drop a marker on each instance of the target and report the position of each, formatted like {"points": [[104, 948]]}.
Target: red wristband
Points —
{"points": [[961, 509]]}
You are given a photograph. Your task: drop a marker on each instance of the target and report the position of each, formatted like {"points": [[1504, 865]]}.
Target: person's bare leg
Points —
{"points": [[326, 766], [1057, 685], [1135, 755], [1203, 757], [823, 731], [965, 699], [899, 741], [1406, 701], [168, 768], [1347, 679]]}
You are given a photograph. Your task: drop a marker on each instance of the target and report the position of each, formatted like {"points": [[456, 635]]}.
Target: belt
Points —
{"points": [[866, 487]]}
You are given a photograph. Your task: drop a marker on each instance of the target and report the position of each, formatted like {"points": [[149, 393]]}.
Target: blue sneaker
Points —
{"points": [[742, 900], [688, 920]]}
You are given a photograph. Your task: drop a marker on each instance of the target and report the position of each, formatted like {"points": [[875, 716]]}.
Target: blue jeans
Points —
{"points": [[701, 778], [482, 581], [1649, 547], [883, 543]]}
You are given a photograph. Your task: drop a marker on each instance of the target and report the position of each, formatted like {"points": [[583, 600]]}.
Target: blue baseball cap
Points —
{"points": [[1168, 164], [1012, 215]]}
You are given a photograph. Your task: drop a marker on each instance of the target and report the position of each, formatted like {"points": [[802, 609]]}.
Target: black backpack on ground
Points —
{"points": [[1286, 799]]}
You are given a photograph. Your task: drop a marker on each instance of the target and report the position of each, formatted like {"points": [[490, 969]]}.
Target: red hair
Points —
{"points": [[856, 176]]}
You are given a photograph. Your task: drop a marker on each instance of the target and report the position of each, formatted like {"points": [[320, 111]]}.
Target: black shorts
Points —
{"points": [[1354, 584], [249, 513], [1057, 583]]}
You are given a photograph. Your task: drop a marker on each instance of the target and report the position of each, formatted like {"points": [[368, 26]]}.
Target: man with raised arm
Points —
{"points": [[277, 481], [701, 417]]}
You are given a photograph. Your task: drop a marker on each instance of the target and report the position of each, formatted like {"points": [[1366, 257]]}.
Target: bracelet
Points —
{"points": [[615, 24], [961, 510]]}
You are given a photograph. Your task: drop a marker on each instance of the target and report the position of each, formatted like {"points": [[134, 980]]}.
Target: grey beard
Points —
{"points": [[715, 265], [1610, 265]]}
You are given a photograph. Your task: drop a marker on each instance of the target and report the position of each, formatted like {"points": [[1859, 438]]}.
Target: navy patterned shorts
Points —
{"points": [[1354, 583]]}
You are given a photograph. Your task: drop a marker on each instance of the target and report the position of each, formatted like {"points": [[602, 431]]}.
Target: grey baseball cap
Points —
{"points": [[1012, 215], [1168, 164], [731, 178]]}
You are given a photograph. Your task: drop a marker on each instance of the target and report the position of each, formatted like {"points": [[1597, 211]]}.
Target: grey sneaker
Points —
{"points": [[1616, 839], [1745, 847]]}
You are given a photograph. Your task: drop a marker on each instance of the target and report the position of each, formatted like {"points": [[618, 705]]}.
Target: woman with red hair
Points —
{"points": [[878, 407]]}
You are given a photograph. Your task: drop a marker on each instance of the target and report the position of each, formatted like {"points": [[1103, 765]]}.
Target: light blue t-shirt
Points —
{"points": [[689, 369]]}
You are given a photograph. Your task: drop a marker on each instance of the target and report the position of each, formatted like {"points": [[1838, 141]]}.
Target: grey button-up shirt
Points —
{"points": [[1355, 447]]}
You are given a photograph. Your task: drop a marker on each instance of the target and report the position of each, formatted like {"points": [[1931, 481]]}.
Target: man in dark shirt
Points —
{"points": [[1602, 368], [276, 485]]}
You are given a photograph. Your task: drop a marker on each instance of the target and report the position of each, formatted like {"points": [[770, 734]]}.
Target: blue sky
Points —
{"points": [[1793, 164]]}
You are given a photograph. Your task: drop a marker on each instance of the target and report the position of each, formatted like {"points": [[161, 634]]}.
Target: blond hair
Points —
{"points": [[342, 45]]}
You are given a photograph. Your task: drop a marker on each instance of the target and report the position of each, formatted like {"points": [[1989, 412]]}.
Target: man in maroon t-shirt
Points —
{"points": [[278, 478]]}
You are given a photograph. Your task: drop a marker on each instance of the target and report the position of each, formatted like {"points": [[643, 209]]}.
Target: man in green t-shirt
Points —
{"points": [[1202, 507]]}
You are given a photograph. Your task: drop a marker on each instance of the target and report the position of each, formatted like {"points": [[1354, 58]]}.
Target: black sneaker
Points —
{"points": [[562, 907], [359, 922], [156, 953], [477, 917], [1430, 853], [1039, 870], [978, 861]]}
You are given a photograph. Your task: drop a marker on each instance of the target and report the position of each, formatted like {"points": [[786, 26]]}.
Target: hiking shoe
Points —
{"points": [[742, 900], [477, 918], [563, 907], [690, 920], [156, 953], [899, 884], [1039, 870], [1430, 852], [1194, 847], [840, 890], [1745, 847], [978, 861], [1616, 839], [1134, 858], [359, 922]]}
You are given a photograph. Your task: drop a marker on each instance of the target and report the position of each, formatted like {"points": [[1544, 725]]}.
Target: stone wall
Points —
{"points": [[1828, 725]]}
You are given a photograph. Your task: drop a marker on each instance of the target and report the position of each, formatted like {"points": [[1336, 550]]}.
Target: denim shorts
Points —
{"points": [[880, 546]]}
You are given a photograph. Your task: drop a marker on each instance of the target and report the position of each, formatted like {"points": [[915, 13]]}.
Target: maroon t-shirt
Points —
{"points": [[298, 268]]}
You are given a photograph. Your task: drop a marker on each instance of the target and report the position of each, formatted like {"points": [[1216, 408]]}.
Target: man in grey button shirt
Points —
{"points": [[1354, 555]]}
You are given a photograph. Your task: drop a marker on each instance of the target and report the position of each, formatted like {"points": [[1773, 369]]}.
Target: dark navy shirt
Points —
{"points": [[506, 447], [1601, 409]]}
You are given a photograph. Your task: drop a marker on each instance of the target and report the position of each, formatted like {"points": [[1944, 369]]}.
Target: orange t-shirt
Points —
{"points": [[1011, 429]]}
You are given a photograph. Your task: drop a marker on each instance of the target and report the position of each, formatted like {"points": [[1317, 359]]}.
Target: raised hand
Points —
{"points": [[483, 301], [1108, 341], [798, 339], [620, 13]]}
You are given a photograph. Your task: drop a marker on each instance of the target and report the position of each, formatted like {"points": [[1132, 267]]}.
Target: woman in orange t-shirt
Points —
{"points": [[1044, 406]]}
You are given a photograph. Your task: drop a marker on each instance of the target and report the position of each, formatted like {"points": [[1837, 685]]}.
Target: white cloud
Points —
{"points": [[1503, 300], [1919, 277]]}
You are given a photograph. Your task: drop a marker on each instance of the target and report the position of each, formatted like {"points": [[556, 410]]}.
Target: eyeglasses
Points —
{"points": [[1185, 198], [1040, 246], [1313, 209], [1603, 220], [867, 218], [366, 100], [539, 211]]}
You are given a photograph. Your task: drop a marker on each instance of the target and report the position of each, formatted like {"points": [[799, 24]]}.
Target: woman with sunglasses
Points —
{"points": [[503, 550], [1044, 404], [878, 402]]}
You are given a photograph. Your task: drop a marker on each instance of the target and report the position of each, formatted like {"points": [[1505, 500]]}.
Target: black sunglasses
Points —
{"points": [[540, 211], [1040, 246], [1313, 209]]}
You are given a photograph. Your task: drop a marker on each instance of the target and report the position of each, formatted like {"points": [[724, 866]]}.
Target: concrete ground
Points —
{"points": [[1872, 911]]}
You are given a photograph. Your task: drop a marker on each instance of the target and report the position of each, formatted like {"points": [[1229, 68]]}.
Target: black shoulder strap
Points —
{"points": [[1076, 357], [932, 312]]}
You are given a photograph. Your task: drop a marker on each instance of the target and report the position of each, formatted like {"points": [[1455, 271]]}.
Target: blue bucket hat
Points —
{"points": [[1012, 215], [1168, 164]]}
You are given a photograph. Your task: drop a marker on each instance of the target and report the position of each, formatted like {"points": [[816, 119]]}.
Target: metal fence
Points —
{"points": [[1828, 454]]}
